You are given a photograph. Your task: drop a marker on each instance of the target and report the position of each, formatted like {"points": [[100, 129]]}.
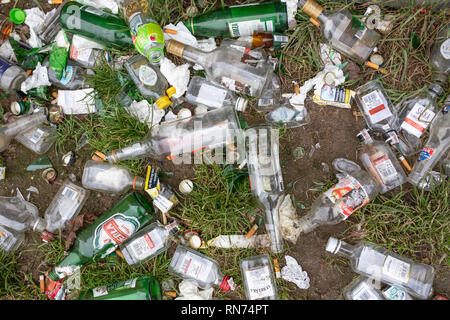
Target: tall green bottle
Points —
{"points": [[100, 26], [241, 20], [143, 288], [104, 235]]}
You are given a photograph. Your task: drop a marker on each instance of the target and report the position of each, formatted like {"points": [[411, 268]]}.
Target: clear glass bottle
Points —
{"points": [[11, 129], [149, 80], [346, 33], [266, 179], [288, 116], [224, 66], [107, 177], [170, 139], [192, 265], [434, 149], [361, 288], [379, 160], [440, 55], [149, 242], [10, 240], [416, 112], [371, 260], [445, 163], [73, 78], [213, 96], [11, 76], [66, 205], [354, 189], [258, 279], [260, 39]]}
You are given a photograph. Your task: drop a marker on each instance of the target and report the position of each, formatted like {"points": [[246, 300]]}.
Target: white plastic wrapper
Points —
{"points": [[35, 18], [190, 291], [77, 101], [38, 78], [177, 76], [146, 113], [102, 4], [328, 55], [288, 220], [239, 241], [293, 272]]}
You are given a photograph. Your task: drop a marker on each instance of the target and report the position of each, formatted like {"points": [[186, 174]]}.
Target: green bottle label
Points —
{"points": [[149, 41], [245, 19]]}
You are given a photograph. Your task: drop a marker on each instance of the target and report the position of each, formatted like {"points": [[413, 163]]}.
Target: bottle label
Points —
{"points": [[445, 49], [236, 86], [351, 195], [4, 65], [364, 292], [395, 293], [396, 269], [147, 76], [100, 291], [67, 75], [70, 193], [385, 168], [115, 230], [148, 37], [259, 283], [246, 28], [334, 96], [417, 120], [425, 154], [146, 245], [162, 203], [6, 239], [211, 96], [196, 267], [93, 10], [37, 135], [375, 106], [370, 262]]}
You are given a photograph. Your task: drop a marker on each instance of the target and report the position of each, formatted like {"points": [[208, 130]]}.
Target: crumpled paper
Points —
{"points": [[177, 76], [6, 50], [190, 291], [146, 113], [38, 78], [35, 19], [77, 101], [240, 241], [289, 221], [293, 272]]}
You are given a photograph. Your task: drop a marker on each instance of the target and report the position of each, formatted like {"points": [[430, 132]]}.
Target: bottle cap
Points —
{"points": [[333, 245], [227, 284], [163, 102], [17, 15], [200, 110], [171, 91], [195, 242], [186, 186], [184, 113], [49, 175], [175, 47], [241, 104]]}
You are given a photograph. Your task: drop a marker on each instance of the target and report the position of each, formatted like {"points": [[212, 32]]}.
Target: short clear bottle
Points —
{"points": [[258, 279], [362, 288]]}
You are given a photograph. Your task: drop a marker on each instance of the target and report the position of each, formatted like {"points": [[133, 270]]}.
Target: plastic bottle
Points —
{"points": [[372, 261], [241, 20], [104, 235], [380, 161], [189, 264], [223, 65], [150, 81], [73, 78], [11, 76], [258, 279], [103, 176], [92, 23], [66, 205], [347, 35], [213, 96], [266, 179], [416, 112], [142, 288], [440, 55], [354, 189], [149, 242], [434, 149], [361, 288]]}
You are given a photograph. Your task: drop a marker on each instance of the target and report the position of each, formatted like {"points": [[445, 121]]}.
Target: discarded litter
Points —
{"points": [[293, 272]]}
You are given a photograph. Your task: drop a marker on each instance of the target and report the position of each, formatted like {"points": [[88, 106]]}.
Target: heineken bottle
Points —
{"points": [[242, 20], [143, 288], [104, 235]]}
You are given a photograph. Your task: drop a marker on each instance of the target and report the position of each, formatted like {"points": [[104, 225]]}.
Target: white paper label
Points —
{"points": [[385, 168], [100, 291], [445, 49], [37, 135], [67, 75], [196, 267], [376, 106], [4, 235], [370, 261], [396, 269], [162, 203], [364, 292], [259, 283], [211, 96], [417, 120], [246, 28], [147, 76], [146, 245], [70, 193]]}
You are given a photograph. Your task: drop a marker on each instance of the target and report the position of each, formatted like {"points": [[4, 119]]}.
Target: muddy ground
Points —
{"points": [[333, 128]]}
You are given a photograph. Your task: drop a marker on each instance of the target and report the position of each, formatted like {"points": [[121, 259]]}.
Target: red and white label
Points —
{"points": [[385, 168], [376, 106], [113, 230], [418, 120]]}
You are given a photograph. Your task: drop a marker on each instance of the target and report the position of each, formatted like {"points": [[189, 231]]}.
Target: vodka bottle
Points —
{"points": [[434, 149], [73, 78], [440, 55], [259, 39], [416, 112], [347, 35], [354, 189], [224, 66], [192, 265], [257, 275], [103, 176], [372, 261], [149, 242], [362, 288], [380, 161], [212, 95]]}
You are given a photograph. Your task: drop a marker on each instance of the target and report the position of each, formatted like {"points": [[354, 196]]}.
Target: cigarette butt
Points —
{"points": [[120, 254], [171, 31], [276, 266], [54, 1], [376, 67], [405, 163], [172, 294], [315, 22], [29, 72], [164, 218], [100, 155], [55, 94], [252, 231], [42, 283], [383, 71], [97, 158], [297, 89]]}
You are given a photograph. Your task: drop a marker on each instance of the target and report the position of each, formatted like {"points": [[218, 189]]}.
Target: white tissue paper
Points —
{"points": [[77, 101], [293, 272], [190, 291], [146, 113], [289, 221], [35, 19], [177, 76], [240, 241], [102, 4], [328, 55], [38, 78]]}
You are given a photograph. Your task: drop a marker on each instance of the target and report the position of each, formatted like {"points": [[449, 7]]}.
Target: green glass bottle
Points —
{"points": [[104, 235], [241, 20], [143, 288], [100, 26]]}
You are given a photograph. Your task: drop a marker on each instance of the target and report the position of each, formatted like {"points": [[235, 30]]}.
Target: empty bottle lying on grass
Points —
{"points": [[363, 288], [257, 275], [373, 261]]}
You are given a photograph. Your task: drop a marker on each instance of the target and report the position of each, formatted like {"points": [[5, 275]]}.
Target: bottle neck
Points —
{"points": [[345, 249], [138, 183], [196, 56]]}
